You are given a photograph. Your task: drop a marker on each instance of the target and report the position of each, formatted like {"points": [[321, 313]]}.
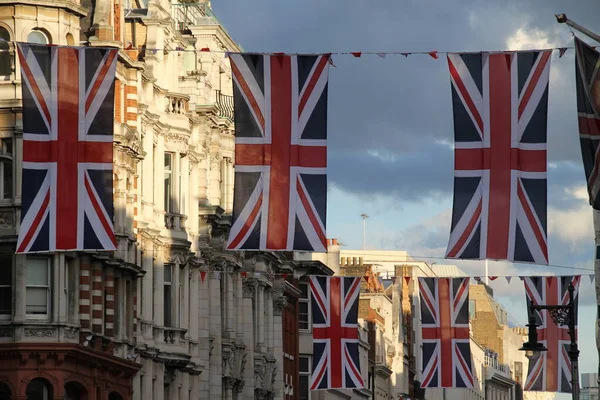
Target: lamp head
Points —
{"points": [[561, 18]]}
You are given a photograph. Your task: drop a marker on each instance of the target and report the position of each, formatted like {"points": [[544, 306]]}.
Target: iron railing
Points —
{"points": [[190, 13], [225, 105]]}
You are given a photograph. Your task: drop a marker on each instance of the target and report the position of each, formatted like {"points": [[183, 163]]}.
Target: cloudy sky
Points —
{"points": [[390, 120]]}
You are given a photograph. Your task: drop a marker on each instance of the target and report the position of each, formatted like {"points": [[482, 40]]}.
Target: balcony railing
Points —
{"points": [[225, 105], [494, 363], [176, 103], [175, 221], [193, 13]]}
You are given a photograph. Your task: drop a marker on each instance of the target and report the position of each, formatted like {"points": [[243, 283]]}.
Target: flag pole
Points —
{"points": [[562, 19], [486, 272]]}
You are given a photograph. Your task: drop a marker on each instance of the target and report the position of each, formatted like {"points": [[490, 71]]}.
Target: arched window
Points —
{"points": [[5, 55], [5, 393], [6, 168], [38, 36], [39, 389], [70, 40], [75, 391]]}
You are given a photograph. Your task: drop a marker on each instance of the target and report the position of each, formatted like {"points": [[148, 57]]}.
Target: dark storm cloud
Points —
{"points": [[401, 106]]}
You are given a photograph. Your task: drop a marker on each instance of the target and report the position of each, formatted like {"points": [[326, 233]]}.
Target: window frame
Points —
{"points": [[9, 49], [8, 316], [41, 31], [7, 159], [171, 322], [304, 300], [168, 194], [48, 286], [306, 374]]}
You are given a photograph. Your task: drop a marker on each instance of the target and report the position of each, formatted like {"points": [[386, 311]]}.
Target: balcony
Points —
{"points": [[225, 105], [188, 13], [176, 103], [496, 369], [175, 221]]}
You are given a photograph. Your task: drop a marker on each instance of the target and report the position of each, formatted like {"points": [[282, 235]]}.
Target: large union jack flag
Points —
{"points": [[68, 96], [445, 332], [280, 191], [335, 333], [500, 106], [550, 371], [587, 75]]}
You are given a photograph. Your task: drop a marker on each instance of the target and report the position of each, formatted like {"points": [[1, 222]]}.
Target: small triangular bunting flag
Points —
{"points": [[433, 54], [591, 278], [561, 51], [407, 279], [393, 279], [477, 278], [357, 53], [508, 279], [244, 274], [405, 54], [217, 274], [493, 278], [205, 49], [382, 55], [202, 275]]}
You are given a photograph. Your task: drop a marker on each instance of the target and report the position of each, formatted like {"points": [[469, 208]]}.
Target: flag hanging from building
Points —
{"points": [[68, 97], [500, 104], [336, 363], [587, 76], [550, 371], [445, 333], [280, 189]]}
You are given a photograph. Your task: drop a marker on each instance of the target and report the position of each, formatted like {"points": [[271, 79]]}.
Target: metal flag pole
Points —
{"points": [[562, 19]]}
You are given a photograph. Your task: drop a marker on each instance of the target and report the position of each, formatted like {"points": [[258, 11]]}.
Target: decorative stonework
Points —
{"points": [[249, 287], [71, 333], [6, 333], [39, 332], [6, 220], [279, 302]]}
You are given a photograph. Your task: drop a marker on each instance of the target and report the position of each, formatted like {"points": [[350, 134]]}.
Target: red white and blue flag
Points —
{"points": [[68, 117], [587, 75], [336, 363], [445, 333], [280, 191], [550, 371], [500, 104]]}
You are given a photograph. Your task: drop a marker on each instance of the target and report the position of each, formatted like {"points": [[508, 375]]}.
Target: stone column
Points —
{"points": [[215, 329], [194, 298], [260, 318], [159, 168], [279, 303], [147, 290], [269, 321], [203, 312], [249, 294], [146, 380], [230, 318], [239, 309], [158, 298]]}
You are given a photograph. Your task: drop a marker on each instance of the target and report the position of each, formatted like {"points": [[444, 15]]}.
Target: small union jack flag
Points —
{"points": [[445, 332], [587, 76], [280, 189], [68, 96], [500, 104], [335, 333], [550, 371]]}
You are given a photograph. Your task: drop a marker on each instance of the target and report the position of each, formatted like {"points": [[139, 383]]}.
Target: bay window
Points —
{"points": [[38, 287]]}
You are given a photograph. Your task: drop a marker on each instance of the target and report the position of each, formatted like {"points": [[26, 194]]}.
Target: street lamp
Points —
{"points": [[561, 315]]}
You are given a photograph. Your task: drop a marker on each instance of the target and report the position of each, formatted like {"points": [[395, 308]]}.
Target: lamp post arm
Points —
{"points": [[562, 19]]}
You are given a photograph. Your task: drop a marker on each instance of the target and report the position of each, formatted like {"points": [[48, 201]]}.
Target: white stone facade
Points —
{"points": [[170, 302]]}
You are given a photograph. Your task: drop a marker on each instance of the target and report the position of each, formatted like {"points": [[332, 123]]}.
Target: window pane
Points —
{"points": [[5, 272], [37, 300], [8, 181], [37, 271], [303, 367], [7, 146], [303, 389], [5, 300], [168, 273], [168, 306], [167, 192], [37, 37], [168, 161]]}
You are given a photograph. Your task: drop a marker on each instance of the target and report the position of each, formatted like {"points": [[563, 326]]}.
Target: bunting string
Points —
{"points": [[357, 54]]}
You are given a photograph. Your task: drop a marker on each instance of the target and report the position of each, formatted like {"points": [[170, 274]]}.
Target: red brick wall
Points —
{"points": [[84, 294], [118, 102], [131, 105]]}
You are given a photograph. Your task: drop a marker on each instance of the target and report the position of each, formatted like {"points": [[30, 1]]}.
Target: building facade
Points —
{"points": [[589, 386], [170, 314]]}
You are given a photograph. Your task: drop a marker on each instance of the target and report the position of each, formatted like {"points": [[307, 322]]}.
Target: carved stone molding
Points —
{"points": [[71, 333], [6, 333], [279, 302], [39, 332], [6, 219], [249, 287]]}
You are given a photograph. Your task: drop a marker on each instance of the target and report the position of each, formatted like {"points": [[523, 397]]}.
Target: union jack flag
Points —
{"points": [[68, 96], [335, 333], [280, 190], [500, 106], [587, 75], [445, 332], [550, 371]]}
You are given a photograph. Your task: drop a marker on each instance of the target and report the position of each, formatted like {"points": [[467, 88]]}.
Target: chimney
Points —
{"points": [[333, 255], [360, 260]]}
